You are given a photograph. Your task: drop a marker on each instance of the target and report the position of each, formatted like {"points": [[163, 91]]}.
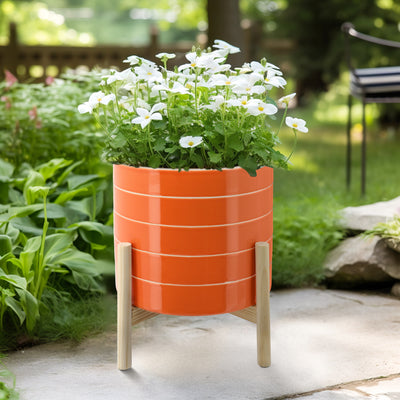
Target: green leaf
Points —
{"points": [[95, 232], [77, 181], [34, 179], [67, 171], [15, 280], [159, 144], [5, 244], [248, 164], [82, 207], [54, 211], [197, 159], [82, 266], [35, 192], [154, 161], [69, 195], [16, 307], [235, 143], [55, 245], [27, 256], [25, 225], [6, 169], [31, 308], [49, 169], [17, 212], [215, 158]]}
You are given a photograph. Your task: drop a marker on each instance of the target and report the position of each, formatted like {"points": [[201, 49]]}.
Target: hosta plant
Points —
{"points": [[202, 114]]}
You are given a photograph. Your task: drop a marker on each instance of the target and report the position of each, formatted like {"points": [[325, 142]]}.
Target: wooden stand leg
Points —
{"points": [[124, 300], [262, 301]]}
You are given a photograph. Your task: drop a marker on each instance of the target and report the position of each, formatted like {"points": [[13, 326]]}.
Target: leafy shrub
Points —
{"points": [[55, 229], [39, 122], [389, 229], [303, 234], [7, 387]]}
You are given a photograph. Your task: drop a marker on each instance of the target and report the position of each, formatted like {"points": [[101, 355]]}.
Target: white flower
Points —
{"points": [[242, 102], [216, 102], [190, 141], [297, 124], [286, 99], [203, 61], [148, 73], [246, 84], [258, 67], [274, 80], [222, 80], [257, 107], [167, 56], [134, 60], [226, 47], [126, 75], [94, 100], [146, 116]]}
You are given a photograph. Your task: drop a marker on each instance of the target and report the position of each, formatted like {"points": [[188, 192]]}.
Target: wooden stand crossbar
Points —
{"points": [[128, 315]]}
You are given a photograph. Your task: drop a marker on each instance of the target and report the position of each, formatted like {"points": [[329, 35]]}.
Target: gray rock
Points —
{"points": [[366, 217], [396, 289], [360, 261]]}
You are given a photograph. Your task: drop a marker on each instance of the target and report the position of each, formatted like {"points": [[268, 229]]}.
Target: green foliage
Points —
{"points": [[314, 28], [52, 231], [389, 229], [7, 383], [303, 234], [38, 25], [74, 318], [39, 122]]}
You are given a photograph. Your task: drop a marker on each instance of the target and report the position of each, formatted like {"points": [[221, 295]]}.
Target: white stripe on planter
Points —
{"points": [[192, 197], [193, 226], [193, 255], [206, 284]]}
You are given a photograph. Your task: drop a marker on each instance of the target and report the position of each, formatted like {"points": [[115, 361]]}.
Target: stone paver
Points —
{"points": [[320, 339]]}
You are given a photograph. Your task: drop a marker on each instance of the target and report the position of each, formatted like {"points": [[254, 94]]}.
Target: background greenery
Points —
{"points": [[50, 154]]}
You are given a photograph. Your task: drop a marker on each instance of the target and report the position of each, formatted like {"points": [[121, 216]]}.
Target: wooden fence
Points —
{"points": [[33, 63]]}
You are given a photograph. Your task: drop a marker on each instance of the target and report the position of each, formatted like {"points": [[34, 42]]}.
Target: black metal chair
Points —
{"points": [[370, 85]]}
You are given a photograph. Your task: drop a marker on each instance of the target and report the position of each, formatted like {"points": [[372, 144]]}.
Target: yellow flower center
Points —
{"points": [[147, 117], [228, 82], [188, 86], [261, 108], [99, 99], [149, 73], [266, 79], [193, 64], [295, 125], [244, 102], [191, 143]]}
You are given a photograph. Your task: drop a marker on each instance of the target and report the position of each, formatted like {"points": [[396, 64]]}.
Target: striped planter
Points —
{"points": [[193, 235]]}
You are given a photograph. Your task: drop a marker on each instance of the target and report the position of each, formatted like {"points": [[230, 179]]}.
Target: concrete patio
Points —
{"points": [[326, 345]]}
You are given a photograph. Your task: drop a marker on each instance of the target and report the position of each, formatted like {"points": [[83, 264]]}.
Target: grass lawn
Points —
{"points": [[309, 195]]}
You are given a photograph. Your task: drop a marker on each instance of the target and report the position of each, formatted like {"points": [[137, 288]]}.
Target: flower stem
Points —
{"points": [[294, 145], [149, 139], [283, 118]]}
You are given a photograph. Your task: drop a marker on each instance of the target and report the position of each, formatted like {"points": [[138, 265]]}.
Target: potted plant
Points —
{"points": [[193, 152]]}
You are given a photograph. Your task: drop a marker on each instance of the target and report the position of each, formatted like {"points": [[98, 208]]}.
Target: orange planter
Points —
{"points": [[193, 235]]}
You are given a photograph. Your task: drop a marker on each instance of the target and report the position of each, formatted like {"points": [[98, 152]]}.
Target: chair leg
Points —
{"points": [[348, 150], [124, 301], [263, 308], [363, 150]]}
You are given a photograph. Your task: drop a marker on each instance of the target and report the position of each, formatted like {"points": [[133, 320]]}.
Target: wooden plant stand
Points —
{"points": [[128, 315]]}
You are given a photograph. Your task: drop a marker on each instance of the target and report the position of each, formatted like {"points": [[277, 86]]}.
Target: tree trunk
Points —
{"points": [[224, 23]]}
